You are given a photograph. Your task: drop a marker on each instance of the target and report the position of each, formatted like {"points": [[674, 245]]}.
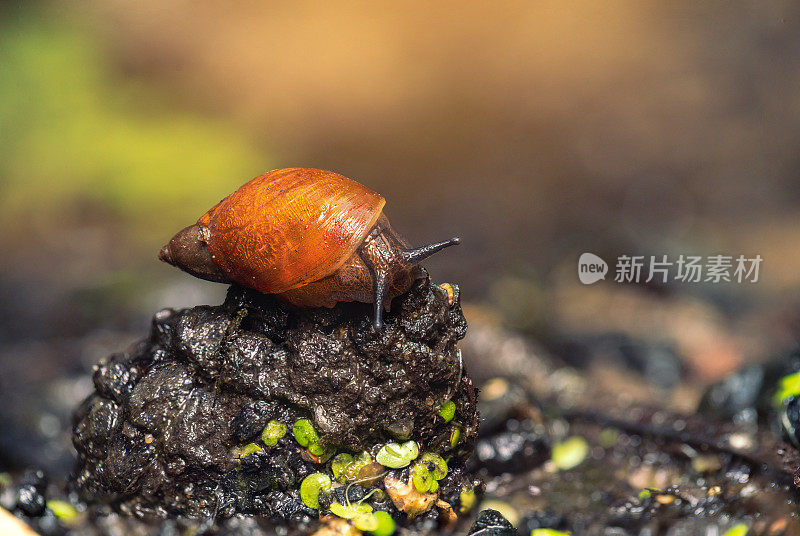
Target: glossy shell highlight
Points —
{"points": [[289, 227]]}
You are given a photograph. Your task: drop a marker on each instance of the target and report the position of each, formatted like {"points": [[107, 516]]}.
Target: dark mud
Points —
{"points": [[648, 467], [164, 431]]}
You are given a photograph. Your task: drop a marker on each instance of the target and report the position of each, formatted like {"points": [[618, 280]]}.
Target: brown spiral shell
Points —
{"points": [[289, 227]]}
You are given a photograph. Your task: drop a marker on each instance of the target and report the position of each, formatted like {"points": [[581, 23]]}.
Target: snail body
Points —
{"points": [[311, 237]]}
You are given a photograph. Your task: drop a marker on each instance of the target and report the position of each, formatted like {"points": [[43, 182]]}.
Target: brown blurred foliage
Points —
{"points": [[536, 130]]}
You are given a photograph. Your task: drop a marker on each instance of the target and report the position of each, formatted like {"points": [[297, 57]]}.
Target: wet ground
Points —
{"points": [[570, 441]]}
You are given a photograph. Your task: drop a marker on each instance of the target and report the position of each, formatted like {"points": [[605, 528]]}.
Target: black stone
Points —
{"points": [[790, 419], [30, 500], [492, 523], [735, 397], [511, 452], [30, 496], [540, 519]]}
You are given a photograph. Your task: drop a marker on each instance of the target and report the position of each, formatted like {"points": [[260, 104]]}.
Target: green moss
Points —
{"points": [[448, 411], [644, 494], [272, 432], [312, 486]]}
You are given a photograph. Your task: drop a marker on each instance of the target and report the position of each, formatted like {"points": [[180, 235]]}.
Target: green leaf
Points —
{"points": [[63, 510], [339, 464], [273, 431], [570, 453], [787, 386], [737, 530], [448, 411], [304, 432], [366, 521], [311, 487], [351, 511], [421, 478], [250, 448], [438, 466], [396, 455], [386, 524]]}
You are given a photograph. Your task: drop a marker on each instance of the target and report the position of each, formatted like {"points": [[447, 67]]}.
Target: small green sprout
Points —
{"points": [[455, 435], [311, 486], [351, 510], [320, 449], [339, 464], [437, 464], [304, 432], [353, 470], [422, 478], [386, 524], [425, 473], [63, 510], [363, 458], [548, 532], [570, 453], [788, 386], [250, 448], [366, 521], [467, 500], [272, 432], [736, 530], [396, 455], [448, 411], [645, 494]]}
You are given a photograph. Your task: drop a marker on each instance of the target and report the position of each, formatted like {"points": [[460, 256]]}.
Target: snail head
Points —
{"points": [[188, 251]]}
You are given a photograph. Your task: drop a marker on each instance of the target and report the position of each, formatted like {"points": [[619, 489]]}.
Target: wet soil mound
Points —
{"points": [[201, 418]]}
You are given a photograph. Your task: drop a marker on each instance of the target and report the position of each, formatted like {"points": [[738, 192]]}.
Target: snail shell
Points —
{"points": [[310, 236]]}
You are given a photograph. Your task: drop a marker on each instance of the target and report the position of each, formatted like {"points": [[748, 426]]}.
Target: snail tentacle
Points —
{"points": [[415, 255]]}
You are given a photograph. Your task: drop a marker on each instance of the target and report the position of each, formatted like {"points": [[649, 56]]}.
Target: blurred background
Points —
{"points": [[535, 130]]}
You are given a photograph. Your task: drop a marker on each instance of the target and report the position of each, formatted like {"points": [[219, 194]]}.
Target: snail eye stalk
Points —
{"points": [[413, 256]]}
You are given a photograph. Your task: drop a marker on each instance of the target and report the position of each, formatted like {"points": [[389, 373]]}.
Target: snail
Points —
{"points": [[311, 237]]}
